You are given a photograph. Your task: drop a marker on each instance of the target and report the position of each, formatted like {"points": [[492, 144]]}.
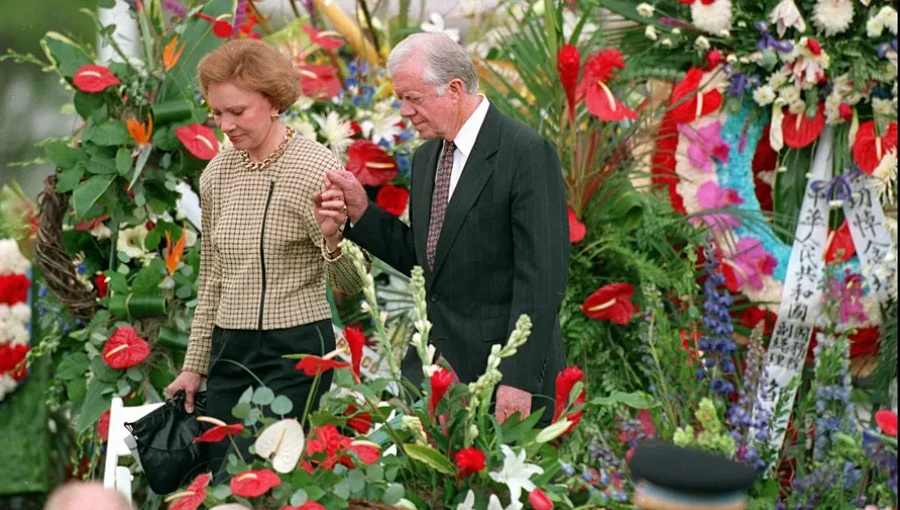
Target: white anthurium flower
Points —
{"points": [[786, 15], [468, 503], [436, 24], [282, 443], [516, 473], [495, 504], [131, 241]]}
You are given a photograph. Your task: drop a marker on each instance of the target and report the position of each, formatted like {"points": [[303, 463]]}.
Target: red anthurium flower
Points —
{"points": [[440, 383], [103, 427], [251, 484], [839, 240], [367, 452], [887, 422], [611, 302], [359, 421], [222, 29], [569, 65], [469, 461], [88, 225], [193, 496], [323, 39], [369, 162], [312, 365], [799, 130], [565, 381], [752, 316], [864, 341], [539, 500], [199, 140], [869, 148], [336, 446], [577, 229], [94, 78], [392, 199], [598, 97], [14, 289], [356, 340], [686, 101], [218, 433], [319, 82], [125, 349]]}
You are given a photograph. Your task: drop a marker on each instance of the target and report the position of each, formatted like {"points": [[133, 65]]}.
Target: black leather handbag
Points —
{"points": [[165, 447]]}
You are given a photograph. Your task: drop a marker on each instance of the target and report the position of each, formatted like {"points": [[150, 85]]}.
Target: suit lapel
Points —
{"points": [[474, 176], [424, 170]]}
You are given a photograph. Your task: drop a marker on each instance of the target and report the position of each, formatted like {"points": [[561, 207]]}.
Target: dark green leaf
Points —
{"points": [[86, 104], [513, 428], [67, 55], [101, 166], [86, 194], [106, 4], [96, 403], [110, 133], [241, 410], [430, 457], [123, 161], [635, 400], [68, 179], [76, 390], [146, 281], [73, 366], [375, 473], [102, 371], [789, 189], [117, 282], [61, 154]]}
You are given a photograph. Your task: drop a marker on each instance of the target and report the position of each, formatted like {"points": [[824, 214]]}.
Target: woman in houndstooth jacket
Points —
{"points": [[266, 256]]}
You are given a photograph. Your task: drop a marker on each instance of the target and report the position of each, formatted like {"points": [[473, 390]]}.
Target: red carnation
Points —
{"points": [[14, 289], [469, 461], [392, 199]]}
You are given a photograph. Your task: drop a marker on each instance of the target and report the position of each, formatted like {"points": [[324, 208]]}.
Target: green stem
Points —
{"points": [[236, 449], [147, 40]]}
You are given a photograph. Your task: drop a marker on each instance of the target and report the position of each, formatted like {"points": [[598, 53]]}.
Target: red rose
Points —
{"points": [[392, 199]]}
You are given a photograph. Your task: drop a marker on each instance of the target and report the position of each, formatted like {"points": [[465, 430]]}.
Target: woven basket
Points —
{"points": [[53, 259]]}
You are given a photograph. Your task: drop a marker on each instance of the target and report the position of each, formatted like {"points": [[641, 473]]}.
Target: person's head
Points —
{"points": [[247, 84], [435, 81], [86, 496]]}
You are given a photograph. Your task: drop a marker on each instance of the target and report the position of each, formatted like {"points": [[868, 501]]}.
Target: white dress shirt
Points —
{"points": [[465, 140]]}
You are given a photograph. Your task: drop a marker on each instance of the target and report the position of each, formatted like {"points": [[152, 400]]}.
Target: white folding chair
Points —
{"points": [[115, 476]]}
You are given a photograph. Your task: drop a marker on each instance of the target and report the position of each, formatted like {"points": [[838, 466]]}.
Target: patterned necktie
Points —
{"points": [[439, 200]]}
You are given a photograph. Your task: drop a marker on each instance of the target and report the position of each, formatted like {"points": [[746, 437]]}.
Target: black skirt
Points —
{"points": [[237, 353]]}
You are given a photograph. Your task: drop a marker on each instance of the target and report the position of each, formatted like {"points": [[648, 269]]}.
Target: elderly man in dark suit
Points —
{"points": [[488, 223]]}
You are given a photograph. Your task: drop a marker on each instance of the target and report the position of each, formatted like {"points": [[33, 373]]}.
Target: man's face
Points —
{"points": [[432, 115]]}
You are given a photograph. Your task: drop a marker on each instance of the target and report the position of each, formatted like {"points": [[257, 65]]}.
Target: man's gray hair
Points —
{"points": [[444, 60]]}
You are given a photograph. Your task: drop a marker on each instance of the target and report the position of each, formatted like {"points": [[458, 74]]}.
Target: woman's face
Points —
{"points": [[244, 115]]}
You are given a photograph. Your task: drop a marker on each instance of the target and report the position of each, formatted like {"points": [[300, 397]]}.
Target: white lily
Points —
{"points": [[786, 15], [468, 503], [516, 473], [495, 504]]}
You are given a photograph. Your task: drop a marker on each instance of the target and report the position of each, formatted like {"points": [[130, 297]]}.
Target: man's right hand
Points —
{"points": [[355, 197], [190, 383]]}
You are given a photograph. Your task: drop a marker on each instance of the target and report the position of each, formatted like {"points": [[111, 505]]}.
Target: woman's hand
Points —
{"points": [[190, 383], [331, 214]]}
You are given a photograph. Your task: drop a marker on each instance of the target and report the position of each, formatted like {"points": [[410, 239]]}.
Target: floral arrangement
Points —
{"points": [[15, 316]]}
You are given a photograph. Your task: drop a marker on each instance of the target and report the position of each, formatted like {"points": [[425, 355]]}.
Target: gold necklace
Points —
{"points": [[272, 158]]}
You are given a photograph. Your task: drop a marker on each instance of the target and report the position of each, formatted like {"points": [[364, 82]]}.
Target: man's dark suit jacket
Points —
{"points": [[503, 251]]}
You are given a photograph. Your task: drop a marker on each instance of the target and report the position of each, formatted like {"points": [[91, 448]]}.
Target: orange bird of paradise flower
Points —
{"points": [[174, 253], [171, 55], [140, 132]]}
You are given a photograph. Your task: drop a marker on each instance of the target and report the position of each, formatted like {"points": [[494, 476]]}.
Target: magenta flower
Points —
{"points": [[850, 292], [706, 144], [750, 262], [711, 196]]}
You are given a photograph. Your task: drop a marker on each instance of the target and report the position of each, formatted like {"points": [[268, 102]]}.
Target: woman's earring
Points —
{"points": [[275, 115]]}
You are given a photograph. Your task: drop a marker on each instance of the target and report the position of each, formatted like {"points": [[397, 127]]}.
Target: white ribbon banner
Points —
{"points": [[871, 238], [801, 299], [371, 366]]}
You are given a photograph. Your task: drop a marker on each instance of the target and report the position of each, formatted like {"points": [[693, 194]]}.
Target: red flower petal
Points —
{"points": [[864, 341], [251, 484], [103, 427], [361, 422], [367, 453], [577, 229], [312, 365], [569, 65], [392, 199], [469, 461], [887, 422], [565, 381], [101, 285], [839, 240], [440, 383], [319, 82], [194, 495], [309, 505], [223, 29], [87, 225], [355, 340], [799, 130], [866, 152], [684, 98], [125, 349], [14, 289], [601, 102], [94, 78], [611, 302], [218, 433], [369, 162], [325, 42], [539, 500], [199, 140]]}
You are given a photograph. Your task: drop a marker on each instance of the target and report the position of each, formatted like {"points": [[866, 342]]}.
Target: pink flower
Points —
{"points": [[706, 144], [711, 196], [750, 262], [850, 293]]}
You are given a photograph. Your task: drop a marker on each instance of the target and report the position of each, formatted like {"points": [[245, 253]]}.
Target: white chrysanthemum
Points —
{"points": [[645, 10], [833, 16], [5, 314], [17, 333], [336, 131], [20, 312], [874, 27], [712, 18], [381, 123], [131, 241], [7, 385], [11, 259], [882, 107], [786, 15], [886, 175], [764, 95], [650, 33], [790, 94], [702, 43], [888, 16]]}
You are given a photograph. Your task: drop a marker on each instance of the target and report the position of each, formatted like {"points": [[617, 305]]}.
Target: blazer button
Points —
{"points": [[434, 298]]}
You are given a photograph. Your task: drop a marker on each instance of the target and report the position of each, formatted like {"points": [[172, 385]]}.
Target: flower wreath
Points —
{"points": [[15, 316], [713, 161]]}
